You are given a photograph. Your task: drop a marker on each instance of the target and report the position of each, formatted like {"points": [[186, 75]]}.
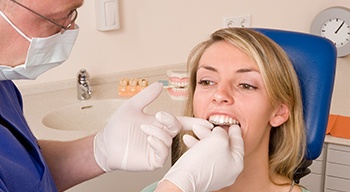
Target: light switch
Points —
{"points": [[107, 15]]}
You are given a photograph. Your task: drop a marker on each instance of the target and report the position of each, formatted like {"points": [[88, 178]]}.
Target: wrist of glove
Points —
{"points": [[135, 141], [210, 164]]}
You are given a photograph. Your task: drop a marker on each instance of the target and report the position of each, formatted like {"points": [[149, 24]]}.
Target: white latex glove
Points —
{"points": [[122, 145], [210, 164]]}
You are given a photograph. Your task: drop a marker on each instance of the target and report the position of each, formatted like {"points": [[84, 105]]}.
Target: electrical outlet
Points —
{"points": [[241, 21]]}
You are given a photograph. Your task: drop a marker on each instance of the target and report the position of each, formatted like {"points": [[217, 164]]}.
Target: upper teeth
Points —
{"points": [[222, 120]]}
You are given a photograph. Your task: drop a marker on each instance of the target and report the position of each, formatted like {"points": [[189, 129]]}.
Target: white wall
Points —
{"points": [[162, 32]]}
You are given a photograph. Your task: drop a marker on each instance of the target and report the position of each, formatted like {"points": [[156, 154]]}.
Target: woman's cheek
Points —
{"points": [[200, 103]]}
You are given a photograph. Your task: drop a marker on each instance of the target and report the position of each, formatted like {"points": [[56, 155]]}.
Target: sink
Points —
{"points": [[87, 115]]}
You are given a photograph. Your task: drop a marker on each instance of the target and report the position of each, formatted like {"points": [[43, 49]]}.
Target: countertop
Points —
{"points": [[337, 140], [38, 104]]}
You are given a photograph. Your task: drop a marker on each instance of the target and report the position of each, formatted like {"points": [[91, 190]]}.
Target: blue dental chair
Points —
{"points": [[314, 59]]}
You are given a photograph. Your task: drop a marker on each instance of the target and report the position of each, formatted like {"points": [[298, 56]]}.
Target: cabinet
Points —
{"points": [[337, 174], [331, 171]]}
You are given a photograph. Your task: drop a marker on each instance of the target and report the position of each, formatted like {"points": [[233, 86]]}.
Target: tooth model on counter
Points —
{"points": [[130, 87], [178, 84]]}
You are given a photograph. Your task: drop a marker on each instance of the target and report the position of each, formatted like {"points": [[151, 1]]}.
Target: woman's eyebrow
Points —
{"points": [[242, 70], [246, 70], [208, 68]]}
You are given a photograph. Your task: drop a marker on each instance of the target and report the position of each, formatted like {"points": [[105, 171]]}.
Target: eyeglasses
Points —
{"points": [[71, 17]]}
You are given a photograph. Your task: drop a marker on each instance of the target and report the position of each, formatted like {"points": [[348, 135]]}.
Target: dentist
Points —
{"points": [[36, 36]]}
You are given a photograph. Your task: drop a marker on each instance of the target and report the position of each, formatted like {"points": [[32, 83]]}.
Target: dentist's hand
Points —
{"points": [[210, 164], [123, 145]]}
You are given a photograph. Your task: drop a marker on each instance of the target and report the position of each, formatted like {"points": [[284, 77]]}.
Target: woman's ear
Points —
{"points": [[280, 116]]}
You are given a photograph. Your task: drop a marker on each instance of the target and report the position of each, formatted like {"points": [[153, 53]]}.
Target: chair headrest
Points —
{"points": [[314, 60]]}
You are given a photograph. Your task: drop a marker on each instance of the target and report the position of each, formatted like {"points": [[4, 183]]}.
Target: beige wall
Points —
{"points": [[162, 32]]}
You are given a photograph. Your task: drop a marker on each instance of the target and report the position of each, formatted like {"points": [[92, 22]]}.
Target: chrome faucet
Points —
{"points": [[84, 89]]}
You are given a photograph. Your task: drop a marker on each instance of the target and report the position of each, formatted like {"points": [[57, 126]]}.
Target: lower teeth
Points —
{"points": [[224, 123]]}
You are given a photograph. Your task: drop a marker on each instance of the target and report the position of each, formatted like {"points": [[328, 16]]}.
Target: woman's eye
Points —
{"points": [[247, 86], [205, 82]]}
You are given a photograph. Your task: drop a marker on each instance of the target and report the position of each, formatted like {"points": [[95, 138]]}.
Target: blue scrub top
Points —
{"points": [[22, 166]]}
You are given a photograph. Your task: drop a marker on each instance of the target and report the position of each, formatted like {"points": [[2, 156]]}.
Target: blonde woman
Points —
{"points": [[241, 77]]}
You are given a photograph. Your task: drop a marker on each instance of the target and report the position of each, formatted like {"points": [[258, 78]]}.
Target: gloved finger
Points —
{"points": [[172, 125], [220, 131], [188, 122], [158, 133], [161, 151], [236, 143], [189, 140], [146, 96], [201, 131]]}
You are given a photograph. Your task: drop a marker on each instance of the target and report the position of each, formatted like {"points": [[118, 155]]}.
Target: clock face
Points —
{"points": [[334, 24], [337, 30]]}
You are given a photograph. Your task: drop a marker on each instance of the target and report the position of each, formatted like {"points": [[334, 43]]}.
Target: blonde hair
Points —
{"points": [[287, 143]]}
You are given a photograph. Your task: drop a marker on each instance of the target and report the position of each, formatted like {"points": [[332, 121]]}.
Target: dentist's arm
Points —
{"points": [[70, 162], [212, 163]]}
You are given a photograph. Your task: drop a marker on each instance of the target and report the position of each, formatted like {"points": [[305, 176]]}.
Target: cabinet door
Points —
{"points": [[338, 168]]}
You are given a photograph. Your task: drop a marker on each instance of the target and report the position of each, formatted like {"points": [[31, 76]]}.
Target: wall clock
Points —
{"points": [[334, 24]]}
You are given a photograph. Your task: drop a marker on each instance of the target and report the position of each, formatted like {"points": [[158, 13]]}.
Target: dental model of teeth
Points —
{"points": [[178, 84], [130, 87], [222, 120]]}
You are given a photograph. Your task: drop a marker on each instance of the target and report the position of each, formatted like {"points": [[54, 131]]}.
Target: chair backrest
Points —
{"points": [[314, 59]]}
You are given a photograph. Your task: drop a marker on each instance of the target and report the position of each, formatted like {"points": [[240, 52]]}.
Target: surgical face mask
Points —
{"points": [[43, 54]]}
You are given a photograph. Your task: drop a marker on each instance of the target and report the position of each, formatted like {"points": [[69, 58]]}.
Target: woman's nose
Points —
{"points": [[223, 95]]}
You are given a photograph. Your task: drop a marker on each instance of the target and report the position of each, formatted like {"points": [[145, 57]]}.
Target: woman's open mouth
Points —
{"points": [[221, 120]]}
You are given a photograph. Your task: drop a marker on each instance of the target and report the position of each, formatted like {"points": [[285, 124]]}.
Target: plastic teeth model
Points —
{"points": [[178, 84]]}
